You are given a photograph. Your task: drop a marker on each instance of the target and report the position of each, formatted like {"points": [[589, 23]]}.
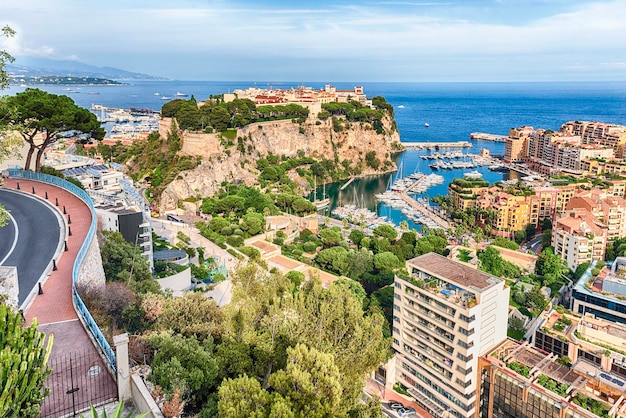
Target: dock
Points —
{"points": [[481, 136], [436, 145], [426, 211], [347, 183]]}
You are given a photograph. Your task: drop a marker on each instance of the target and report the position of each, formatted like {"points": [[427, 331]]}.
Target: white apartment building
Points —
{"points": [[446, 315]]}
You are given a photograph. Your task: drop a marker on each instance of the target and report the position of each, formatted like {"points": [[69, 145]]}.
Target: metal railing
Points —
{"points": [[79, 305]]}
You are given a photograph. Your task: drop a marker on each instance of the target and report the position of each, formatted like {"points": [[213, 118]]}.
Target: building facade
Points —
{"points": [[446, 315], [579, 237]]}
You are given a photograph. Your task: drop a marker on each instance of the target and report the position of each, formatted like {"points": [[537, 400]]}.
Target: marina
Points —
{"points": [[436, 145], [130, 122]]}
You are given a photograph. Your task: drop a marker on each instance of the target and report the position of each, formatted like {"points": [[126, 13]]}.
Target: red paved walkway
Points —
{"points": [[56, 302], [55, 313]]}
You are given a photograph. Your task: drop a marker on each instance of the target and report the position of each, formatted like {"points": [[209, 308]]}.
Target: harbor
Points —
{"points": [[415, 208], [436, 145]]}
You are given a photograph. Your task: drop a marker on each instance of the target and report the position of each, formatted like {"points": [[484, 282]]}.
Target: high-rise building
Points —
{"points": [[446, 315]]}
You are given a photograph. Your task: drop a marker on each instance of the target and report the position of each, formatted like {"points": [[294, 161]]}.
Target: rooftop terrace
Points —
{"points": [[458, 273]]}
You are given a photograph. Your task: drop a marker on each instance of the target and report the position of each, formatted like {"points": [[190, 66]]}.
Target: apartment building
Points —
{"points": [[607, 208], [446, 315], [579, 237], [598, 167], [599, 133], [516, 210], [616, 187], [465, 191], [511, 211], [516, 145]]}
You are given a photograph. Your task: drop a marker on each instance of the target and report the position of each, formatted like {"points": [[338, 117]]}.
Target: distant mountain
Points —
{"points": [[34, 67]]}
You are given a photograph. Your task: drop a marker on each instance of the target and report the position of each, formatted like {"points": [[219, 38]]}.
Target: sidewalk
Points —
{"points": [[389, 395], [54, 309], [55, 305]]}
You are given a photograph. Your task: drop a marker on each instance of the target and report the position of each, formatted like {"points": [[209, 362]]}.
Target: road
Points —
{"points": [[38, 234], [534, 244]]}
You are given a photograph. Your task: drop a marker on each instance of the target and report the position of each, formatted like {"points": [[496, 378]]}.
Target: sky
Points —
{"points": [[340, 40]]}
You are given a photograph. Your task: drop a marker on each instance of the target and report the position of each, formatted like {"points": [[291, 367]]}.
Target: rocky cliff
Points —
{"points": [[235, 160]]}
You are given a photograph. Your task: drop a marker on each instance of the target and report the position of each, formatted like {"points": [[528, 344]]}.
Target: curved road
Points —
{"points": [[38, 236]]}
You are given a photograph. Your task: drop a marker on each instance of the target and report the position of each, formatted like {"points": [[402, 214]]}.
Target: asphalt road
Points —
{"points": [[38, 236], [534, 244]]}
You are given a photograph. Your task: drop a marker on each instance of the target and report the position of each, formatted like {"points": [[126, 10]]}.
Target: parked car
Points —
{"points": [[396, 405], [406, 412]]}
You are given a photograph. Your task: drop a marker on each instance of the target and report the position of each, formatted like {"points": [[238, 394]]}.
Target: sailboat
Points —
{"points": [[323, 203]]}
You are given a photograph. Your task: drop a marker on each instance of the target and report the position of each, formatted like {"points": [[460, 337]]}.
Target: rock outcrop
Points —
{"points": [[235, 160]]}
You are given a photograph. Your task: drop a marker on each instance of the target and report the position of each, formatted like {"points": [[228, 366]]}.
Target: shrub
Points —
{"points": [[309, 247], [235, 240]]}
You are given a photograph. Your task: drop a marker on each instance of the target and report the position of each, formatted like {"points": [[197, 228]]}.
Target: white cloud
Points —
{"points": [[379, 35]]}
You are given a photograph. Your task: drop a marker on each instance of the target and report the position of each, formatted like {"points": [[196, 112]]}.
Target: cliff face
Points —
{"points": [[236, 160]]}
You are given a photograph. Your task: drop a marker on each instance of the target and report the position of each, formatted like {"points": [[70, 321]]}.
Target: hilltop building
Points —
{"points": [[301, 95], [446, 315]]}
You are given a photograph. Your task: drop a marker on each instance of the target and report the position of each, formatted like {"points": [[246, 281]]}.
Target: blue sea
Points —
{"points": [[451, 110]]}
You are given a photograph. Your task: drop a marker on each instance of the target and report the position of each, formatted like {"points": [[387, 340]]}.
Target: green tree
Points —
{"points": [[252, 223], [185, 364], [550, 267], [362, 261], [243, 397], [386, 231], [386, 261], [356, 236], [330, 237], [123, 261], [5, 58], [24, 355], [41, 114], [311, 382], [9, 142], [336, 259]]}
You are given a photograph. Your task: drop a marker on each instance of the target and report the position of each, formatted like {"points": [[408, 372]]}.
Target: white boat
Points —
{"points": [[165, 98], [156, 93], [473, 174], [322, 203], [426, 124], [179, 94], [401, 107]]}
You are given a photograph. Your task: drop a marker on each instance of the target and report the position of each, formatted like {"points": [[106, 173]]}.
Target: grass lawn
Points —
{"points": [[516, 334]]}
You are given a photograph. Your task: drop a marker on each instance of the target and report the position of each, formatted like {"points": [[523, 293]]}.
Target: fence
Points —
{"points": [[79, 306], [78, 380]]}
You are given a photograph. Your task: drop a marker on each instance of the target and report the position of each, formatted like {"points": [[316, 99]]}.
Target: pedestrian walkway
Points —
{"points": [[55, 304], [54, 309], [374, 387]]}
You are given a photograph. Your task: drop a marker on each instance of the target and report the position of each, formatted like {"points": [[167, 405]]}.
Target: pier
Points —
{"points": [[481, 136], [347, 183], [436, 145], [425, 211]]}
